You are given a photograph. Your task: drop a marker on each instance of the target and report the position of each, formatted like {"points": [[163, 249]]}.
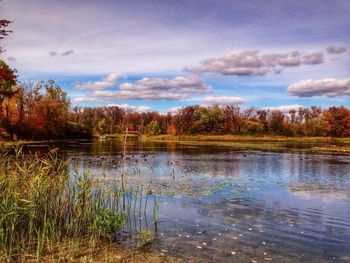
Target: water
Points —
{"points": [[217, 204]]}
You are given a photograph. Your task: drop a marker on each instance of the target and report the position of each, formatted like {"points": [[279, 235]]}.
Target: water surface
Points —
{"points": [[217, 204]]}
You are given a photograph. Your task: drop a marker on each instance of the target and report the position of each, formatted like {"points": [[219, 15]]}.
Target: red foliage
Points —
{"points": [[8, 74], [337, 121]]}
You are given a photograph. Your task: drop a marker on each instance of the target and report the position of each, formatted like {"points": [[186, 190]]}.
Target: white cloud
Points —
{"points": [[12, 59], [116, 40], [252, 63], [107, 82], [313, 58], [174, 109], [222, 100], [323, 87], [53, 53], [285, 108], [84, 99], [113, 77], [178, 88], [128, 107], [333, 49], [67, 53]]}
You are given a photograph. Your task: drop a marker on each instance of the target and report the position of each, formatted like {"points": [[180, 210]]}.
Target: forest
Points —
{"points": [[42, 111]]}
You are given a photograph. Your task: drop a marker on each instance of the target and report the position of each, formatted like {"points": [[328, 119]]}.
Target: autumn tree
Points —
{"points": [[233, 120], [276, 122], [337, 121], [8, 79], [262, 117], [49, 113]]}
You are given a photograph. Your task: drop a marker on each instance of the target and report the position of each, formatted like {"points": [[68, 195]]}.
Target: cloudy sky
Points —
{"points": [[163, 54]]}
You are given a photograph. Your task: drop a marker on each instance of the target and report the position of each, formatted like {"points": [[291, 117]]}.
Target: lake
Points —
{"points": [[218, 204]]}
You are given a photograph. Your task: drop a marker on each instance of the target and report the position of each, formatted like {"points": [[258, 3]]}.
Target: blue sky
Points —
{"points": [[158, 55]]}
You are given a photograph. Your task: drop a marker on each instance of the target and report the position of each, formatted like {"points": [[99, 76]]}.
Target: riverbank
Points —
{"points": [[244, 138], [81, 250], [324, 145]]}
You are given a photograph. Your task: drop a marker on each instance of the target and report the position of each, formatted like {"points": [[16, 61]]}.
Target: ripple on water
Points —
{"points": [[223, 206]]}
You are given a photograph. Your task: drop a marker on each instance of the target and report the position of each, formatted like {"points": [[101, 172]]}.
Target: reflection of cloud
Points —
{"points": [[332, 49], [252, 63], [323, 87], [328, 196]]}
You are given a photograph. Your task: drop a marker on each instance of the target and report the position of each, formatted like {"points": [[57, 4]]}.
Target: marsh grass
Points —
{"points": [[45, 210]]}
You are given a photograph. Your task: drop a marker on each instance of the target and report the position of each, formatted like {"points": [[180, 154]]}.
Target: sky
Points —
{"points": [[158, 55]]}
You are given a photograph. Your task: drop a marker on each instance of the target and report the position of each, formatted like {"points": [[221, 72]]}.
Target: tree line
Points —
{"points": [[42, 110], [314, 121]]}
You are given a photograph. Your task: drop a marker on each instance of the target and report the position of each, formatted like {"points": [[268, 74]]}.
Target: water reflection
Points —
{"points": [[220, 205]]}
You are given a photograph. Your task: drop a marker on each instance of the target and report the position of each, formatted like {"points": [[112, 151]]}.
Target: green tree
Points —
{"points": [[154, 128], [102, 127]]}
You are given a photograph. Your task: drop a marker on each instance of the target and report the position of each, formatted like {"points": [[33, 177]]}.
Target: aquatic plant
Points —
{"points": [[43, 207]]}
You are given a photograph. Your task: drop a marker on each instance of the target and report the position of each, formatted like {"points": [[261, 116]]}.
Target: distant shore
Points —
{"points": [[325, 145], [229, 137]]}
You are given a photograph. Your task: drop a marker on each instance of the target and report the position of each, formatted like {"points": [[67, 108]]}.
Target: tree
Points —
{"points": [[337, 121], [276, 121], [154, 128], [102, 127], [251, 127], [48, 113], [232, 119], [8, 79], [262, 118]]}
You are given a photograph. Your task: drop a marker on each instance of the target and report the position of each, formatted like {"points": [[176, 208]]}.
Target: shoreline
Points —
{"points": [[315, 145], [245, 138]]}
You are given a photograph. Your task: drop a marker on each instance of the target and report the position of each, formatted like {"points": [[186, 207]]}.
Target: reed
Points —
{"points": [[44, 208]]}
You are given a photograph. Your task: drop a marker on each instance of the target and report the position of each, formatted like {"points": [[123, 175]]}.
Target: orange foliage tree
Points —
{"points": [[337, 121]]}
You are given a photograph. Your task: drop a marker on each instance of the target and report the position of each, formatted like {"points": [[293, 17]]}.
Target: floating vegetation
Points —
{"points": [[303, 187]]}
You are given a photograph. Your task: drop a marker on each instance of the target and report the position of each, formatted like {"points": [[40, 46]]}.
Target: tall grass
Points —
{"points": [[42, 206]]}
